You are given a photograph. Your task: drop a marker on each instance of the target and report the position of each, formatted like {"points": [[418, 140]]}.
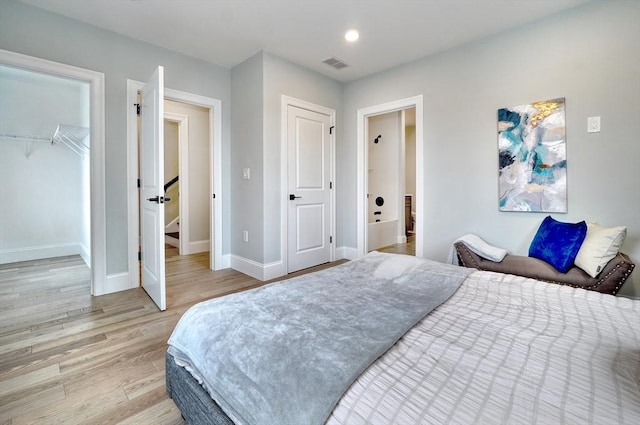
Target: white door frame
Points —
{"points": [[402, 172], [285, 102], [362, 161], [215, 175], [183, 166], [98, 221]]}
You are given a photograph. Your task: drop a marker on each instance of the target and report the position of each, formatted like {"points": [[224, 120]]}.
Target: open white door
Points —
{"points": [[309, 181], [152, 187]]}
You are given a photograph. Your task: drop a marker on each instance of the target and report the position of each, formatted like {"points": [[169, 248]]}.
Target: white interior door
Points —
{"points": [[152, 187], [309, 178]]}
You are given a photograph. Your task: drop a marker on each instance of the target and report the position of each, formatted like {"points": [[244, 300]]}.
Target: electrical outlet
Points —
{"points": [[593, 124], [245, 236]]}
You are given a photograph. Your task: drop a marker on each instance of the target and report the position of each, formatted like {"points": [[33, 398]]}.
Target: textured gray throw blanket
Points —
{"points": [[286, 352]]}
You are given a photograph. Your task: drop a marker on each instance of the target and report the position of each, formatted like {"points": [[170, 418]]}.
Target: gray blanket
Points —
{"points": [[285, 353]]}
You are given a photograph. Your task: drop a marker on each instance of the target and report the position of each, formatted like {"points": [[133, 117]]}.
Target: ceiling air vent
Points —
{"points": [[335, 63]]}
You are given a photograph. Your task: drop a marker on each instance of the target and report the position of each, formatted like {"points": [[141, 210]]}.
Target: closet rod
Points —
{"points": [[28, 138]]}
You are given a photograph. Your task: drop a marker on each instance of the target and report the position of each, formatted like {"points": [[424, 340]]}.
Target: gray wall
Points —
{"points": [[36, 32], [589, 55], [285, 78], [257, 86], [247, 87]]}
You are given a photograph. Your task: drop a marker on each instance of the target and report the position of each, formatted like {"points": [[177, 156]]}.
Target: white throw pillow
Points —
{"points": [[600, 245]]}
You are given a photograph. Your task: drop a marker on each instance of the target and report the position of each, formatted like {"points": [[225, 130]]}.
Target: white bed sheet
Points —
{"points": [[511, 350]]}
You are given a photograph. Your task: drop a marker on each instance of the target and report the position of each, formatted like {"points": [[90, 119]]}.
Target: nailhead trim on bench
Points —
{"points": [[600, 281]]}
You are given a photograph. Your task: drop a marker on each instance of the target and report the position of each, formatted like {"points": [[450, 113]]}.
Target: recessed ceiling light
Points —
{"points": [[352, 35]]}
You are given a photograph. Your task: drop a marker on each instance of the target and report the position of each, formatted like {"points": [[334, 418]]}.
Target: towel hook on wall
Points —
{"points": [[377, 139]]}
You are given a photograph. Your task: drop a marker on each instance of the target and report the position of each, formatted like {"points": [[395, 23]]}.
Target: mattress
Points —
{"points": [[507, 349]]}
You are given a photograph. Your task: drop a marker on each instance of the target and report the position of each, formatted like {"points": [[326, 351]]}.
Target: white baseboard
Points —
{"points": [[85, 253], [254, 269], [273, 270], [226, 261], [197, 246], [276, 269], [38, 252], [345, 252]]}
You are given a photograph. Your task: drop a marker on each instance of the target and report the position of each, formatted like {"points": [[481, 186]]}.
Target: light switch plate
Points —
{"points": [[246, 173], [593, 124]]}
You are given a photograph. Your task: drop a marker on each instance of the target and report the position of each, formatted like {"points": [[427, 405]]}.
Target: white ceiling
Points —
{"points": [[226, 32]]}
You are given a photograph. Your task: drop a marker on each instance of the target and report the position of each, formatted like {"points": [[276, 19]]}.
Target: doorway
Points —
{"points": [[93, 166], [372, 122], [176, 128], [44, 162], [187, 176], [391, 182], [212, 181]]}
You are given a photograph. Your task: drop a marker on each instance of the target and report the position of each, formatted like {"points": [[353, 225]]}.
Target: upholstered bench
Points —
{"points": [[608, 281]]}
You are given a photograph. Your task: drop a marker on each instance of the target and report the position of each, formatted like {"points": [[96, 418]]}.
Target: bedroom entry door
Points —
{"points": [[152, 188], [309, 210]]}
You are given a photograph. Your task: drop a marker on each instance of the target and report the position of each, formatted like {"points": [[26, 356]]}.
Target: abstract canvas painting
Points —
{"points": [[532, 157]]}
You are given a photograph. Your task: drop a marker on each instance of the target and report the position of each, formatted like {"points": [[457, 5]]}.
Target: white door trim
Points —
{"points": [[402, 149], [97, 154], [362, 160], [183, 172], [215, 164], [287, 101]]}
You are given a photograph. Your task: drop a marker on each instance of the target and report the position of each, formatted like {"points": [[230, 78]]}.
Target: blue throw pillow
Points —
{"points": [[558, 243]]}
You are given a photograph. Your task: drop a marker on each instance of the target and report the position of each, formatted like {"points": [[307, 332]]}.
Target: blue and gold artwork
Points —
{"points": [[532, 157]]}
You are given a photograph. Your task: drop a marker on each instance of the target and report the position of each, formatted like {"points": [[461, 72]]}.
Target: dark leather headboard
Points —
{"points": [[609, 281]]}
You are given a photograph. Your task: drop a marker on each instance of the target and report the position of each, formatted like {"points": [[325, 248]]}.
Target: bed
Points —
{"points": [[486, 348]]}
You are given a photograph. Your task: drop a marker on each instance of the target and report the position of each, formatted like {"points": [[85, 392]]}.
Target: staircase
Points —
{"points": [[172, 233], [172, 228]]}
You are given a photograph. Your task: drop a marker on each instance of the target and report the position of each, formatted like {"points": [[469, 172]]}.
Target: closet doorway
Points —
{"points": [[52, 127], [389, 202]]}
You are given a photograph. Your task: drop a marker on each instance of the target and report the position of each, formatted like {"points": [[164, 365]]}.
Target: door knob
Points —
{"points": [[159, 199], [292, 197]]}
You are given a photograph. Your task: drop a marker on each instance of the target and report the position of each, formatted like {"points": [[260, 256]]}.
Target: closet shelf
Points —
{"points": [[71, 136]]}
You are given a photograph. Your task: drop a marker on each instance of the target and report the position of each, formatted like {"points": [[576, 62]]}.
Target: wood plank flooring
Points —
{"points": [[67, 357], [408, 248]]}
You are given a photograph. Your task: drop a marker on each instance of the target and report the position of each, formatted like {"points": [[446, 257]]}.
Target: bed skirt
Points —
{"points": [[194, 402]]}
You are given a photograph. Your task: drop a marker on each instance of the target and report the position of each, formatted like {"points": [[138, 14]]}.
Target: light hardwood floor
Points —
{"points": [[408, 248], [67, 357]]}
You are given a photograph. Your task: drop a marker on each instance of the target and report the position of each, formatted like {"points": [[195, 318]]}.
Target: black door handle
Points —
{"points": [[292, 197], [159, 199]]}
